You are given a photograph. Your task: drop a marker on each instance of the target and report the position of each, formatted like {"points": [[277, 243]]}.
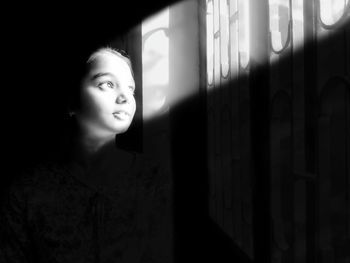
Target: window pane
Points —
{"points": [[298, 23], [155, 64], [224, 35], [216, 43], [243, 32], [210, 42], [279, 20], [234, 37], [216, 16], [217, 62], [332, 10]]}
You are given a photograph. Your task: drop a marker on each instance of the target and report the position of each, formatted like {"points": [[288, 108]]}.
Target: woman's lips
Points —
{"points": [[121, 115]]}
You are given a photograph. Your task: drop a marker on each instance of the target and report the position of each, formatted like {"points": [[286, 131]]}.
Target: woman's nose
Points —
{"points": [[121, 98]]}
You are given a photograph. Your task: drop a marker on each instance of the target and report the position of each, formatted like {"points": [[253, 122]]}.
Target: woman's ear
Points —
{"points": [[70, 112]]}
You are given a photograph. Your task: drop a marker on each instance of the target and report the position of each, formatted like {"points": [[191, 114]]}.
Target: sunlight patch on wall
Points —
{"points": [[279, 23], [332, 10], [298, 23], [332, 14], [286, 30], [227, 40], [243, 32], [155, 64]]}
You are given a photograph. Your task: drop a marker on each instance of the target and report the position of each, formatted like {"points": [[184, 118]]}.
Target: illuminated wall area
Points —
{"points": [[308, 119], [307, 115]]}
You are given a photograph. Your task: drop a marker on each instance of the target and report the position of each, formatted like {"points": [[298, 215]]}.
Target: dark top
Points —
{"points": [[63, 213]]}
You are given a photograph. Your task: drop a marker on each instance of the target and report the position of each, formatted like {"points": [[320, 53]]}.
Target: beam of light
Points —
{"points": [[332, 10], [279, 22], [227, 42], [298, 23], [160, 93], [217, 71], [243, 32], [155, 64], [233, 39], [210, 42], [224, 37], [228, 30], [332, 14]]}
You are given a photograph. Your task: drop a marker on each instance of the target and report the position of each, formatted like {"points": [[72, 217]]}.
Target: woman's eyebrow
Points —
{"points": [[102, 74], [98, 75]]}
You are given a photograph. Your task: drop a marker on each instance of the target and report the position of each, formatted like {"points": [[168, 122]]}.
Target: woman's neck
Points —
{"points": [[87, 147], [92, 145]]}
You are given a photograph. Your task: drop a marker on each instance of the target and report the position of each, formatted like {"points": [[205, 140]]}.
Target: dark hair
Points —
{"points": [[118, 52]]}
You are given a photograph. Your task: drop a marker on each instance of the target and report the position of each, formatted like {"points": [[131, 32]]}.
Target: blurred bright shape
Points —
{"points": [[234, 38], [243, 32], [155, 63], [217, 71], [279, 22], [227, 40], [332, 10], [210, 43], [298, 22], [224, 35]]}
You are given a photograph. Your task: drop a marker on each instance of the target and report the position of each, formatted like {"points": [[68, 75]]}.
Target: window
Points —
{"points": [[210, 43], [234, 38], [332, 11], [227, 39], [155, 57], [279, 24], [243, 32], [298, 22], [224, 35], [217, 72]]}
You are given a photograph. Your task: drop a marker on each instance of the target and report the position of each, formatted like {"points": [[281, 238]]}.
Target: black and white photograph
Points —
{"points": [[172, 131]]}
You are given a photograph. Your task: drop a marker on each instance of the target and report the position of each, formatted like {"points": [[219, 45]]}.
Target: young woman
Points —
{"points": [[102, 204]]}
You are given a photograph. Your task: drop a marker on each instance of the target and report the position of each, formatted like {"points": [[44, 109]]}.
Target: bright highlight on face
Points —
{"points": [[107, 95]]}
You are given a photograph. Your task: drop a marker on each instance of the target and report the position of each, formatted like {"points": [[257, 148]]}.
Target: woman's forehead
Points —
{"points": [[107, 62]]}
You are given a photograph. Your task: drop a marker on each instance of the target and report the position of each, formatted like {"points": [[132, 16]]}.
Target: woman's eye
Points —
{"points": [[106, 85]]}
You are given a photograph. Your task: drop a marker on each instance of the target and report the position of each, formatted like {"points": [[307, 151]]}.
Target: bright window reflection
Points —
{"points": [[298, 23], [243, 32], [216, 16], [227, 39], [210, 43], [234, 38], [279, 22], [217, 62], [155, 63], [332, 10], [217, 72], [224, 35]]}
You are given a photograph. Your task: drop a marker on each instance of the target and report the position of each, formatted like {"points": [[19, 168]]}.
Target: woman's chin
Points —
{"points": [[120, 129]]}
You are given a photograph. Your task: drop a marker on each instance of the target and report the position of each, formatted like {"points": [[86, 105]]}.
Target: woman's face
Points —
{"points": [[107, 96]]}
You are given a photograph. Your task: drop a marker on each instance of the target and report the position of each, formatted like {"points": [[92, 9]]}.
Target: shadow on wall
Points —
{"points": [[299, 202]]}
